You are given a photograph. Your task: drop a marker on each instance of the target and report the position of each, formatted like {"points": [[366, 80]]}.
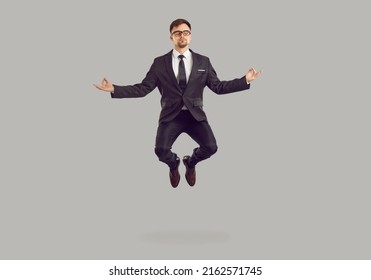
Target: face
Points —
{"points": [[181, 40]]}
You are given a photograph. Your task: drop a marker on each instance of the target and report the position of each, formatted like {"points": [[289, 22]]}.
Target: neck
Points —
{"points": [[181, 50]]}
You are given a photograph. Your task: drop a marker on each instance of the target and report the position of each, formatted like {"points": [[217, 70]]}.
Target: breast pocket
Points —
{"points": [[201, 75]]}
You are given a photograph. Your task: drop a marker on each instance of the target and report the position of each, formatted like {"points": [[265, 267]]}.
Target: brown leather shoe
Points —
{"points": [[190, 172], [174, 174]]}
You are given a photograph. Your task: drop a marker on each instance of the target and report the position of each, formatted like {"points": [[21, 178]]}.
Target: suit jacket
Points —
{"points": [[161, 75]]}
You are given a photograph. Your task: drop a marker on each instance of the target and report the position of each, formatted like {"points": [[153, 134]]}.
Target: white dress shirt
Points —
{"points": [[187, 63]]}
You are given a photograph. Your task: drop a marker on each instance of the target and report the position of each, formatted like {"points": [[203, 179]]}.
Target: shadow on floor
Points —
{"points": [[185, 237]]}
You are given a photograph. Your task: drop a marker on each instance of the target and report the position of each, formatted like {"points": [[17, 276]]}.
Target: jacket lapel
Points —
{"points": [[195, 66]]}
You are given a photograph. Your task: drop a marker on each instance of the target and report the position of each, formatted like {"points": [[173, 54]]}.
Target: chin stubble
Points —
{"points": [[182, 45]]}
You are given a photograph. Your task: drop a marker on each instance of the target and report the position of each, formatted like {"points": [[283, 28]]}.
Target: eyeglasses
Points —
{"points": [[177, 34]]}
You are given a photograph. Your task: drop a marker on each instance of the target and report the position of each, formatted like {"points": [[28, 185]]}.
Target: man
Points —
{"points": [[181, 76]]}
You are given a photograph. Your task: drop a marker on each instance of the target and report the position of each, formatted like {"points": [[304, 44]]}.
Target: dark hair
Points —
{"points": [[178, 22]]}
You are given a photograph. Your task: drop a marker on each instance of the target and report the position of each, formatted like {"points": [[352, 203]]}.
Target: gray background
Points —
{"points": [[291, 179]]}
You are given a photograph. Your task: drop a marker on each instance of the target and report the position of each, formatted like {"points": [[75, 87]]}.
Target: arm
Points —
{"points": [[223, 87], [148, 84]]}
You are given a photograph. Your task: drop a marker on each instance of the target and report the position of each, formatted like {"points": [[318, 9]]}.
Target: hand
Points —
{"points": [[105, 86], [252, 74]]}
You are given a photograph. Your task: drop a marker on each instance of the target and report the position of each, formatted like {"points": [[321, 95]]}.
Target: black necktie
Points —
{"points": [[182, 74]]}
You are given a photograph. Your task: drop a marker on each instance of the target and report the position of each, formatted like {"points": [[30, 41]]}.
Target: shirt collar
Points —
{"points": [[187, 54]]}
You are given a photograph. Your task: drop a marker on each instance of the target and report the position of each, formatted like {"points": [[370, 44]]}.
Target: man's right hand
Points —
{"points": [[105, 86]]}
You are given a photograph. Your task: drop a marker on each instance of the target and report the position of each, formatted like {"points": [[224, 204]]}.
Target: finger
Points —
{"points": [[105, 82], [257, 74]]}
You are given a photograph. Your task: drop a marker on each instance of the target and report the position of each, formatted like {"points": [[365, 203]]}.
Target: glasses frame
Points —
{"points": [[179, 33]]}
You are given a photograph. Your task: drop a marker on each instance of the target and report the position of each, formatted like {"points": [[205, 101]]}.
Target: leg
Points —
{"points": [[167, 133], [202, 133]]}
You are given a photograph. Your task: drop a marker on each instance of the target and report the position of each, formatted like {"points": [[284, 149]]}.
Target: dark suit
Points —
{"points": [[173, 120]]}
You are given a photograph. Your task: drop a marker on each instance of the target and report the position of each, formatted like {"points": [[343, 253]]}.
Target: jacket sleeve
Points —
{"points": [[224, 87], [148, 84]]}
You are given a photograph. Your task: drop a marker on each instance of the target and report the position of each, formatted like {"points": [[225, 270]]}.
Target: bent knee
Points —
{"points": [[211, 149], [161, 151]]}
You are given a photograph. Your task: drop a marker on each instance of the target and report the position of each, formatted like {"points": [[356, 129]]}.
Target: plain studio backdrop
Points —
{"points": [[79, 177]]}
